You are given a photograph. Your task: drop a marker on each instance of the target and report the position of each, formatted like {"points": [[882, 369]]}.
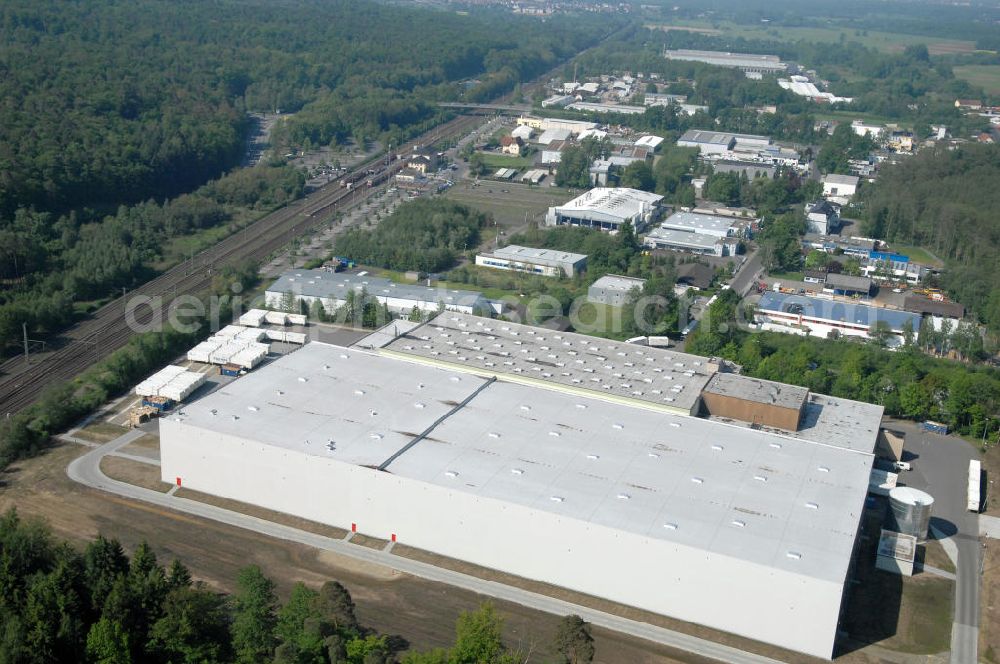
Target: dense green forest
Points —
{"points": [[118, 121], [907, 382], [110, 102], [103, 606], [946, 200], [425, 235], [50, 262]]}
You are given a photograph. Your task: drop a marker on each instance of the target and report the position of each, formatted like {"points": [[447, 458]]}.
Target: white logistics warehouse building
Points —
{"points": [[546, 262], [607, 209], [331, 289], [590, 107], [469, 438], [841, 187], [705, 224], [544, 124], [711, 142], [751, 63], [803, 87], [687, 241]]}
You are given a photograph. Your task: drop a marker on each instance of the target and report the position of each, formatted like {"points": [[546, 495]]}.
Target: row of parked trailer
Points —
{"points": [[235, 348], [241, 346], [171, 384], [975, 486], [258, 317]]}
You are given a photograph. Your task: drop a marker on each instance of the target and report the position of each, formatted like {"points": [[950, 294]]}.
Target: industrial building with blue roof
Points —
{"points": [[801, 314]]}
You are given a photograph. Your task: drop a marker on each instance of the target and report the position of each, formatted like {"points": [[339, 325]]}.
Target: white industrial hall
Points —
{"points": [[550, 476]]}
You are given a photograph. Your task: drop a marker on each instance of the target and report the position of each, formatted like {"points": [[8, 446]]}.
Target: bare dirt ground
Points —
{"points": [[134, 472], [100, 432], [935, 556], [261, 513], [149, 442], [369, 542], [420, 611], [515, 207]]}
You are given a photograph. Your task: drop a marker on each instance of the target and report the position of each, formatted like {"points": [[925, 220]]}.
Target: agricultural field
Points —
{"points": [[883, 41], [513, 205], [495, 161], [985, 76]]}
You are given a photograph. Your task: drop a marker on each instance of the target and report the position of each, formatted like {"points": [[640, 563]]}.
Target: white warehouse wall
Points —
{"points": [[767, 604]]}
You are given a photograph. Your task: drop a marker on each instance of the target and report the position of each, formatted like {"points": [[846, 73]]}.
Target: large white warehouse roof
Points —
{"points": [[550, 257], [467, 437], [652, 377], [709, 224], [611, 202], [771, 500], [726, 59]]}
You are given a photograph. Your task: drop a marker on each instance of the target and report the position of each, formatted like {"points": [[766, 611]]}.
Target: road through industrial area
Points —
{"points": [[940, 467], [87, 471]]}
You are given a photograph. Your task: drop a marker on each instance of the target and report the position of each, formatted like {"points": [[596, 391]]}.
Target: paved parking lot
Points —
{"points": [[941, 468]]}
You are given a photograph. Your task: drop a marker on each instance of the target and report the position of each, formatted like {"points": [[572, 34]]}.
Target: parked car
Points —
{"points": [[902, 465]]}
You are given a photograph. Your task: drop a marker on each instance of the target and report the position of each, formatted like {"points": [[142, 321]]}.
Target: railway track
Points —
{"points": [[107, 329]]}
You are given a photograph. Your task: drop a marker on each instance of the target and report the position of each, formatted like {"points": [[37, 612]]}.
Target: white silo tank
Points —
{"points": [[910, 511]]}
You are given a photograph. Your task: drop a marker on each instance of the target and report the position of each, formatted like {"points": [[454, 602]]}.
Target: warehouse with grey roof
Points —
{"points": [[331, 290], [546, 262], [468, 437]]}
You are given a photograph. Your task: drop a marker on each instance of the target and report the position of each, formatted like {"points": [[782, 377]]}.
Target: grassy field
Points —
{"points": [[991, 466], [917, 254], [100, 432], [513, 205], [851, 116], [926, 609], [985, 76], [883, 41], [787, 276], [140, 474], [495, 161]]}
